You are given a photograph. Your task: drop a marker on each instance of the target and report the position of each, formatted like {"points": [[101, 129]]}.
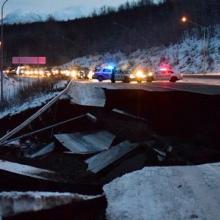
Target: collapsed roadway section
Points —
{"points": [[92, 133]]}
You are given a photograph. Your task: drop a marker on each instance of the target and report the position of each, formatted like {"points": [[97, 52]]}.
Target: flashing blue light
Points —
{"points": [[110, 67]]}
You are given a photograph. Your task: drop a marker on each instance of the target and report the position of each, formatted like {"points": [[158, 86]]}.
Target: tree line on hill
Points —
{"points": [[136, 25]]}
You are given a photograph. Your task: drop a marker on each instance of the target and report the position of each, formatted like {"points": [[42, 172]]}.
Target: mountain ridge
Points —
{"points": [[24, 17]]}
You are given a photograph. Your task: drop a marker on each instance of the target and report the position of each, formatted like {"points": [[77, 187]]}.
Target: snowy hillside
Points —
{"points": [[22, 16], [186, 56]]}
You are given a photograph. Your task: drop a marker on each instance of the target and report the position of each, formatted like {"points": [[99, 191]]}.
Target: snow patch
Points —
{"points": [[155, 193], [86, 94], [35, 102]]}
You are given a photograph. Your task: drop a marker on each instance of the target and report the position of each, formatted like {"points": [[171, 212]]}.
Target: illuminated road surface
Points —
{"points": [[207, 87]]}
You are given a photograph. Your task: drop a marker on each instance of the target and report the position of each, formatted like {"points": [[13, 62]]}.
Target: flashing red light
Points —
{"points": [[163, 69]]}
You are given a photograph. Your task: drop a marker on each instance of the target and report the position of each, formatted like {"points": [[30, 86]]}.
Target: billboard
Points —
{"points": [[29, 60]]}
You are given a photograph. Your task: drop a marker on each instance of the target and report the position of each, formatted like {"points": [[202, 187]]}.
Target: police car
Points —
{"points": [[165, 72], [139, 74], [110, 72]]}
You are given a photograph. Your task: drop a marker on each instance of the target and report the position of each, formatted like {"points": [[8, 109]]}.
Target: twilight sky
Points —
{"points": [[52, 6]]}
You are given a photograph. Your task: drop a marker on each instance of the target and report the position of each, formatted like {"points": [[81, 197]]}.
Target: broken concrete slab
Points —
{"points": [[86, 143], [42, 152], [91, 208], [104, 159], [26, 170], [86, 94], [175, 192], [13, 203]]}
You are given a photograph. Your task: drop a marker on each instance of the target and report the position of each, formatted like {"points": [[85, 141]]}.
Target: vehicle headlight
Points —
{"points": [[67, 73], [73, 73], [35, 71], [140, 74], [132, 76], [90, 75], [150, 74], [55, 72]]}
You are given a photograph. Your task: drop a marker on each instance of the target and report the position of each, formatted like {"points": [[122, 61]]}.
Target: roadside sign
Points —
{"points": [[29, 60]]}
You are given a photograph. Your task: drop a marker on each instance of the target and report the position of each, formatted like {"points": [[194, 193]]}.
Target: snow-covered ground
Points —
{"points": [[19, 202], [11, 89], [155, 193], [186, 56], [35, 102]]}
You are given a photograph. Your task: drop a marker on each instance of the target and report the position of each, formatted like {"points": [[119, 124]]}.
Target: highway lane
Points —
{"points": [[189, 87], [161, 86], [208, 84]]}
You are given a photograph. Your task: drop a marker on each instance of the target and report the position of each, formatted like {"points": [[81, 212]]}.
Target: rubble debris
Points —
{"points": [[87, 95], [92, 117], [93, 208], [13, 203], [170, 149], [26, 170], [42, 152], [160, 158], [104, 159], [160, 152], [44, 129], [86, 143], [157, 147], [129, 115]]}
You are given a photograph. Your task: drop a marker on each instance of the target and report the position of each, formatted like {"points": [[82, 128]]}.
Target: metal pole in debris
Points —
{"points": [[46, 128], [2, 50]]}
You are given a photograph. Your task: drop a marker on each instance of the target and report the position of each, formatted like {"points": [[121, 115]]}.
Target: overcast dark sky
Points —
{"points": [[50, 6]]}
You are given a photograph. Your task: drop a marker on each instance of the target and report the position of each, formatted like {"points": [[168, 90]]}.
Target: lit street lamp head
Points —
{"points": [[184, 19]]}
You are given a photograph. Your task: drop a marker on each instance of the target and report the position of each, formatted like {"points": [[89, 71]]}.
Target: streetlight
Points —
{"points": [[2, 49], [185, 19]]}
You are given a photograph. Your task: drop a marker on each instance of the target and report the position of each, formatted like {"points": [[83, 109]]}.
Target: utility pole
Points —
{"points": [[2, 50]]}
